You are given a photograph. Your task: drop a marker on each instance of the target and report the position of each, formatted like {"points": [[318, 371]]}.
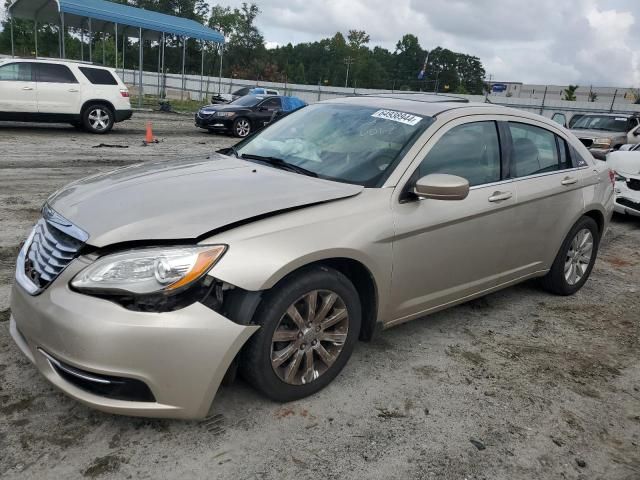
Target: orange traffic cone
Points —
{"points": [[149, 136]]}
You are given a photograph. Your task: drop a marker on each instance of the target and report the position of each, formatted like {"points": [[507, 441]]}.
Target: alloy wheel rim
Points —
{"points": [[309, 337], [578, 257], [242, 128], [99, 119]]}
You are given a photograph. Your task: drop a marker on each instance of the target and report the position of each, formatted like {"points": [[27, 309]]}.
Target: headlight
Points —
{"points": [[149, 270], [225, 114], [603, 142]]}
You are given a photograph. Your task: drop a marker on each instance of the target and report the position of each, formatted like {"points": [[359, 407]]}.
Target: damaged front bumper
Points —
{"points": [[121, 361]]}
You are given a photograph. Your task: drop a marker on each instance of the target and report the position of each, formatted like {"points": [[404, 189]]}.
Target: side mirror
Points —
{"points": [[440, 186], [637, 132]]}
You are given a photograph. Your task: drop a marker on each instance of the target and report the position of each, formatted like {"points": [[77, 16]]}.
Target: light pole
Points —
{"points": [[348, 62]]}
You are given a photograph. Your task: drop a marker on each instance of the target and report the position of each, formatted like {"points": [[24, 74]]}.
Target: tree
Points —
{"points": [[570, 93], [593, 96]]}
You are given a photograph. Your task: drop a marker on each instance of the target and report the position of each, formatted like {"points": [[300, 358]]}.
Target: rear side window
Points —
{"points": [[471, 151], [534, 150], [98, 76], [16, 72], [54, 73]]}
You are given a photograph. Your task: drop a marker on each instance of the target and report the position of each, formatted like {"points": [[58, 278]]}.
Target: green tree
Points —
{"points": [[570, 93]]}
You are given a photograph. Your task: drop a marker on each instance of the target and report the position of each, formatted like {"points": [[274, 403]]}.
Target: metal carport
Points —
{"points": [[108, 17]]}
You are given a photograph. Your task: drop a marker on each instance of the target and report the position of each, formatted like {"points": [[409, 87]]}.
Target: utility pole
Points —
{"points": [[348, 62]]}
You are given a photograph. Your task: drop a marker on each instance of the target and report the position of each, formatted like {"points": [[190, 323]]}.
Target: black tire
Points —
{"points": [[256, 366], [242, 127], [98, 118], [555, 281]]}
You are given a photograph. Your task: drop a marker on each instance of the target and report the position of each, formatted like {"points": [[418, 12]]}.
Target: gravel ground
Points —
{"points": [[516, 385]]}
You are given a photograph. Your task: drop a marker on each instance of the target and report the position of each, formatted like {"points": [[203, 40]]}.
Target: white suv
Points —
{"points": [[82, 94]]}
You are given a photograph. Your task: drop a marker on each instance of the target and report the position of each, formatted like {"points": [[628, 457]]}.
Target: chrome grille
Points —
{"points": [[49, 253]]}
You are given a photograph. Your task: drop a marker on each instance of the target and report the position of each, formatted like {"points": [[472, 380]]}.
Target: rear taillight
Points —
{"points": [[612, 176], [124, 93]]}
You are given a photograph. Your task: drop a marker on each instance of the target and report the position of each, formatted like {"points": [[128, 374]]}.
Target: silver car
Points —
{"points": [[139, 289]]}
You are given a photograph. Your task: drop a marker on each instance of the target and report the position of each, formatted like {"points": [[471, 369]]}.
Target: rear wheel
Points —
{"points": [[310, 324], [575, 260], [98, 118]]}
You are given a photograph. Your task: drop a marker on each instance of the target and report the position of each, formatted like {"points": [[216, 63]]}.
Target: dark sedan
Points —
{"points": [[246, 114]]}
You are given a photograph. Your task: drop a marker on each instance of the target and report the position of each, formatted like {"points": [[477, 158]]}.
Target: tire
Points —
{"points": [[261, 354], [563, 279], [98, 118], [241, 127]]}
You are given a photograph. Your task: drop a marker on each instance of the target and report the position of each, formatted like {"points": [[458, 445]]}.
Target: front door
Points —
{"points": [[267, 110], [17, 88], [447, 250], [58, 89]]}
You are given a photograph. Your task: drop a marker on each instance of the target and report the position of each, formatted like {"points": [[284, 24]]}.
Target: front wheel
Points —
{"points": [[310, 323], [575, 260], [241, 127], [97, 118]]}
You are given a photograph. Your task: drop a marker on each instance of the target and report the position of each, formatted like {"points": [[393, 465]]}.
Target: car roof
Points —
{"points": [[55, 60], [421, 104]]}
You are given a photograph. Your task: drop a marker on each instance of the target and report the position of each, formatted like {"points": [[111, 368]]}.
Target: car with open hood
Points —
{"points": [[138, 290], [602, 133]]}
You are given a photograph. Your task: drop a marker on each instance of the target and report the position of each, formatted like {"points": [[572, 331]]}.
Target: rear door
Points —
{"points": [[446, 250], [549, 189], [18, 88], [58, 89]]}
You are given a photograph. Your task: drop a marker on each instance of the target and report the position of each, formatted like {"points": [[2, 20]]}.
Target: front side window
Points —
{"points": [[54, 73], [534, 151], [470, 151], [247, 101], [16, 72], [271, 104], [346, 143]]}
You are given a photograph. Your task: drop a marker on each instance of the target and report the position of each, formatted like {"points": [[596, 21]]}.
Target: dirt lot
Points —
{"points": [[516, 385]]}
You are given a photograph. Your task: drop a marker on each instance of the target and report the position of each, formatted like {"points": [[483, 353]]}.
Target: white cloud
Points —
{"points": [[543, 41]]}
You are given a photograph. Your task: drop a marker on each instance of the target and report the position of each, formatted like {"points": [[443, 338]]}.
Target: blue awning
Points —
{"points": [[106, 14]]}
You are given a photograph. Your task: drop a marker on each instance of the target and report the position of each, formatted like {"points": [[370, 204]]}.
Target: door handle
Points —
{"points": [[27, 88], [500, 196], [569, 181], [73, 90]]}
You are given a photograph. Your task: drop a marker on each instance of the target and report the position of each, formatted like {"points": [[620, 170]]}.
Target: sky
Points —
{"points": [[584, 42]]}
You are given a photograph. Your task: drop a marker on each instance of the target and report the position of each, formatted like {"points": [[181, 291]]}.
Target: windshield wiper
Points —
{"points": [[278, 163]]}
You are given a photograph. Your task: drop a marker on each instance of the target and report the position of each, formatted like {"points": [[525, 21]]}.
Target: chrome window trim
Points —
{"points": [[545, 174]]}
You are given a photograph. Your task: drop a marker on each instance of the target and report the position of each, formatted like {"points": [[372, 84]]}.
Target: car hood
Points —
{"points": [[185, 199], [626, 164], [596, 134]]}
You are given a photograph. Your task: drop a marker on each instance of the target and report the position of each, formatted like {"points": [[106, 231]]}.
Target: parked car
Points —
{"points": [[626, 163], [137, 289], [246, 114], [84, 95], [602, 133], [229, 97]]}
